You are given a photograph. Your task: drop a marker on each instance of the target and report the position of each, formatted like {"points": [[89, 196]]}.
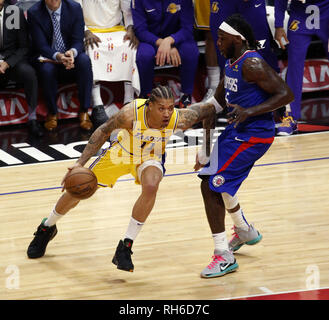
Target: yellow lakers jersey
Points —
{"points": [[143, 143], [202, 14]]}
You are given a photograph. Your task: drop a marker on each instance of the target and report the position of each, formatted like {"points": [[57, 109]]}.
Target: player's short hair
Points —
{"points": [[237, 22], [161, 92]]}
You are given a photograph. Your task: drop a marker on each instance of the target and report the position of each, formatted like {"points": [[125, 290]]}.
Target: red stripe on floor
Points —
{"points": [[312, 127], [319, 294]]}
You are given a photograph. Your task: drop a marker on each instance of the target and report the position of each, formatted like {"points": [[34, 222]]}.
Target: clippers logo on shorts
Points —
{"points": [[218, 181], [231, 84], [173, 8], [214, 7], [294, 26]]}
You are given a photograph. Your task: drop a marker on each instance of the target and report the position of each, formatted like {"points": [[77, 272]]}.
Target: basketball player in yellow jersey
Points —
{"points": [[145, 127]]}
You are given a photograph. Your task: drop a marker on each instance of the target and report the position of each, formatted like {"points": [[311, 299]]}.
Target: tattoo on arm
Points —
{"points": [[122, 120], [194, 114]]}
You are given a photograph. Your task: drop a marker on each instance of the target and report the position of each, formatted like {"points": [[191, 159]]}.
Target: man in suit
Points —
{"points": [[13, 59], [57, 31]]}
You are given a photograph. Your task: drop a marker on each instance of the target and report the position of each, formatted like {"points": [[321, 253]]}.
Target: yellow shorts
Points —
{"points": [[202, 14], [114, 163]]}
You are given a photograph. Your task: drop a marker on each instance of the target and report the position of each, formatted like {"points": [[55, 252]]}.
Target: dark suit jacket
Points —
{"points": [[15, 41], [41, 28]]}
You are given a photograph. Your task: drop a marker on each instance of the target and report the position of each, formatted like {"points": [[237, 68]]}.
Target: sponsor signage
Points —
{"points": [[316, 75], [14, 109], [315, 109]]}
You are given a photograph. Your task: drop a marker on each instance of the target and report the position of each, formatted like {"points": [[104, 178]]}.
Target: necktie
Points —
{"points": [[57, 36]]}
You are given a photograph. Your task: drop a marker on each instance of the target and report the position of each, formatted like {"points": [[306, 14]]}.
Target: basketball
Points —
{"points": [[81, 183]]}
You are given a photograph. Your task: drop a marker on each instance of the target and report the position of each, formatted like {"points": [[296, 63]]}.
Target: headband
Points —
{"points": [[227, 28]]}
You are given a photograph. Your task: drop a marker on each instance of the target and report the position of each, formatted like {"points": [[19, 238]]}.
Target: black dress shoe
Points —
{"points": [[98, 116], [35, 128]]}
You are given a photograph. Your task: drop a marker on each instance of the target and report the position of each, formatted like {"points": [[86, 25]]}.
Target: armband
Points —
{"points": [[214, 102]]}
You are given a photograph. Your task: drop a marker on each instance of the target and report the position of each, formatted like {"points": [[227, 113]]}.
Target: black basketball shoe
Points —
{"points": [[43, 235], [122, 257]]}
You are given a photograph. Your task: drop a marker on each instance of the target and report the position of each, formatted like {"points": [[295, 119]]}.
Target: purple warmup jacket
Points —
{"points": [[302, 26], [155, 19]]}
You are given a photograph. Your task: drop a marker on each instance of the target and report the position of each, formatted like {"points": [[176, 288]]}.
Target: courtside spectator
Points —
{"points": [[57, 31], [14, 62], [165, 31], [111, 46], [303, 24]]}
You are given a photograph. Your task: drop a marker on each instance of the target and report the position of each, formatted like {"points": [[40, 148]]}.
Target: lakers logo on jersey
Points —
{"points": [[173, 8], [214, 7], [294, 25], [142, 142]]}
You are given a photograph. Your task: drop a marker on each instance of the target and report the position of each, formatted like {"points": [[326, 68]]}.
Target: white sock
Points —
{"points": [[239, 220], [129, 92], [96, 95], [53, 218], [220, 241], [213, 76], [134, 228]]}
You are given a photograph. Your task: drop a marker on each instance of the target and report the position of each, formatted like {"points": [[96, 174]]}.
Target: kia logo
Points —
{"points": [[13, 107]]}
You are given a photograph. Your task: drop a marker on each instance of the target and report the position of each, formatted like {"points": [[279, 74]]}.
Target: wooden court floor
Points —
{"points": [[286, 196]]}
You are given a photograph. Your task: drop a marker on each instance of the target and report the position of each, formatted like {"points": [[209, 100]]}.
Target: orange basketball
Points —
{"points": [[81, 183]]}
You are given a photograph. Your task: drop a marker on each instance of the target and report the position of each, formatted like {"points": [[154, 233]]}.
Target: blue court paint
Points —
{"points": [[174, 174]]}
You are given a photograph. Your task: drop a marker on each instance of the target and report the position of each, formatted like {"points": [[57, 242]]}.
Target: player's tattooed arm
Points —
{"points": [[202, 111], [194, 114], [122, 120]]}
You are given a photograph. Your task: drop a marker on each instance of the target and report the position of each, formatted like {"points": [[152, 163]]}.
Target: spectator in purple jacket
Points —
{"points": [[308, 18], [165, 32]]}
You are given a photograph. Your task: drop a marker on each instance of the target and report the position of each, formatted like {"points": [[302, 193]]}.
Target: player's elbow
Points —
{"points": [[288, 95]]}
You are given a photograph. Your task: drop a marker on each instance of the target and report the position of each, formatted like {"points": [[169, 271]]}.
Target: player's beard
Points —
{"points": [[230, 51]]}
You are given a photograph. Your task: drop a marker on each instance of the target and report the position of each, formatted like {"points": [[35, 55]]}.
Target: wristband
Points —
{"points": [[214, 102]]}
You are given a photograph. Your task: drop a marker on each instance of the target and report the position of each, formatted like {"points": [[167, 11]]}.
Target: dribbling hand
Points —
{"points": [[76, 165]]}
